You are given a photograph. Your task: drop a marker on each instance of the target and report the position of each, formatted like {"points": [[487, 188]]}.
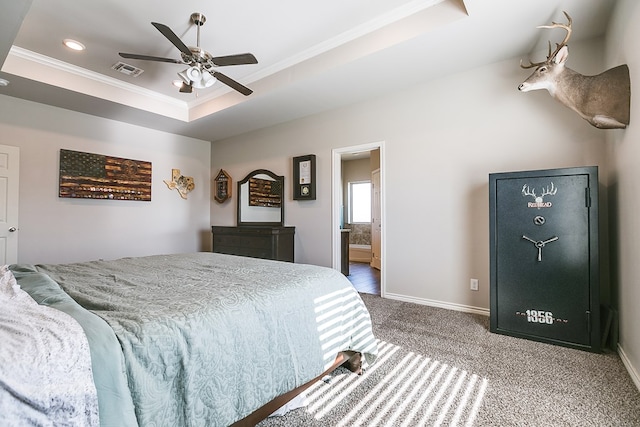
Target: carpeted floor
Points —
{"points": [[442, 367]]}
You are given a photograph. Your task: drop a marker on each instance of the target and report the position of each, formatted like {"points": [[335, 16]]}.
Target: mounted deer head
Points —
{"points": [[602, 100]]}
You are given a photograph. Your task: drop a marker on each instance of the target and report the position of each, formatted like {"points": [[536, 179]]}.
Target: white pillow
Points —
{"points": [[9, 288], [45, 364]]}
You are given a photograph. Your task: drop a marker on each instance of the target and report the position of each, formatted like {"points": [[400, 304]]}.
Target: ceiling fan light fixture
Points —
{"points": [[197, 77], [184, 77], [194, 74], [207, 79]]}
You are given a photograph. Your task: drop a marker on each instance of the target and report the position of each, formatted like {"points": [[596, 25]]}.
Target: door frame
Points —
{"points": [[375, 214], [336, 203], [10, 170]]}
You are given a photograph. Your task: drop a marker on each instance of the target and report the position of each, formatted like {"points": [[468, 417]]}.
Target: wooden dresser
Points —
{"points": [[255, 241]]}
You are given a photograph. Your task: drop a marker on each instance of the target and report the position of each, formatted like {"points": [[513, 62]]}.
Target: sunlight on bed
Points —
{"points": [[341, 318], [404, 389]]}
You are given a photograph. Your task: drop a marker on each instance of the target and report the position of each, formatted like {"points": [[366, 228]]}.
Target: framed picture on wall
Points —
{"points": [[97, 176], [304, 177], [222, 187]]}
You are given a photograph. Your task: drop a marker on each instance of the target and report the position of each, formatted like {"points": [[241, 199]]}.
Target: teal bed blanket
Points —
{"points": [[205, 339], [115, 406]]}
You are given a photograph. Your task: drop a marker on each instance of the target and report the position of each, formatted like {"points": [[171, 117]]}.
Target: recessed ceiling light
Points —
{"points": [[73, 44], [4, 82]]}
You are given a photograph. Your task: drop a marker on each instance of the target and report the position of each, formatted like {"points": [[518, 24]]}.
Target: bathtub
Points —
{"points": [[359, 253]]}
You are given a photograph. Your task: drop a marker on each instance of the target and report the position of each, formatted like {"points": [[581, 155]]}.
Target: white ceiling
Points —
{"points": [[312, 56]]}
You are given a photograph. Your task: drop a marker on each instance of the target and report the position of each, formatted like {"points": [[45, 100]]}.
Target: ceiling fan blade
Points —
{"points": [[241, 59], [148, 58], [232, 83], [171, 36], [185, 88]]}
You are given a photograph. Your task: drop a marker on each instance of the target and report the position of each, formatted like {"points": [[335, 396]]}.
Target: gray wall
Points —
{"points": [[54, 230], [624, 151], [442, 139]]}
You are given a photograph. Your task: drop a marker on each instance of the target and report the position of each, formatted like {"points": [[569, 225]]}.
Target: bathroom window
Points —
{"points": [[360, 202]]}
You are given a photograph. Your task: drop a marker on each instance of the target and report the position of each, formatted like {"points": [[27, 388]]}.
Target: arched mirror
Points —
{"points": [[261, 199]]}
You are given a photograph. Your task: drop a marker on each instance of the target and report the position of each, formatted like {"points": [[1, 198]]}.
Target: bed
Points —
{"points": [[199, 339]]}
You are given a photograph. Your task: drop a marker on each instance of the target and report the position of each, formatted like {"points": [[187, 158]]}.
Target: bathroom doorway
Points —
{"points": [[352, 166]]}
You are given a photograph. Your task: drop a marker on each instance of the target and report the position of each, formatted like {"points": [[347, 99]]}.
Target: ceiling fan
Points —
{"points": [[201, 73]]}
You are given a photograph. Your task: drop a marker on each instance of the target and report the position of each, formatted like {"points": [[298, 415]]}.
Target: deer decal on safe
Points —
{"points": [[603, 100], [539, 200]]}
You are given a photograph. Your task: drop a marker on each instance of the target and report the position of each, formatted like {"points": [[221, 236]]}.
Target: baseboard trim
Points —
{"points": [[627, 364], [439, 304]]}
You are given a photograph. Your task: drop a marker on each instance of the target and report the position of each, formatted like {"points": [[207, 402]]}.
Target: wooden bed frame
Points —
{"points": [[349, 359]]}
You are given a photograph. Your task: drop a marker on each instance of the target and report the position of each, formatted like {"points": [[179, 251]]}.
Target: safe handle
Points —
{"points": [[539, 244]]}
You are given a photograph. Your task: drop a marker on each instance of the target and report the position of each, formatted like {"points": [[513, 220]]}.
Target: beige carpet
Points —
{"points": [[441, 367]]}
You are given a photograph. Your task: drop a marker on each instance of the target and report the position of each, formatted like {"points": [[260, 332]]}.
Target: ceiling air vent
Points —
{"points": [[127, 69]]}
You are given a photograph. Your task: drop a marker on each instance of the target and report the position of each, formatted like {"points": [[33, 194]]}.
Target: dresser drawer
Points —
{"points": [[257, 242]]}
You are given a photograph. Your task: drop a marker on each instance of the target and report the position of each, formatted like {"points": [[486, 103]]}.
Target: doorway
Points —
{"points": [[9, 176], [338, 208]]}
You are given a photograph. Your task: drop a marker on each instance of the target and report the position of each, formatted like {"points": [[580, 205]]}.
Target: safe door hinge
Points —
{"points": [[587, 197]]}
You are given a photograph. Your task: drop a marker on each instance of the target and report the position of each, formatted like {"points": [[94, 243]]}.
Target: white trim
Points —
{"points": [[43, 69], [10, 174], [627, 364], [440, 304], [336, 202], [92, 75]]}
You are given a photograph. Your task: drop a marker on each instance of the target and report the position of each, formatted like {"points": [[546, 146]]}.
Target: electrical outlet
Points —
{"points": [[473, 284]]}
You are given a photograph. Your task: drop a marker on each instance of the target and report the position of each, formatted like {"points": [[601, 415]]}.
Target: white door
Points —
{"points": [[376, 224], [9, 175]]}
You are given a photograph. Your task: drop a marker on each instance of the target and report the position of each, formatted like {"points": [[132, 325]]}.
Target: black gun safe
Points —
{"points": [[544, 256]]}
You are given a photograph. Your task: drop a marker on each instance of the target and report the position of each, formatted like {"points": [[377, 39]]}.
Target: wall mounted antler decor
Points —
{"points": [[603, 100]]}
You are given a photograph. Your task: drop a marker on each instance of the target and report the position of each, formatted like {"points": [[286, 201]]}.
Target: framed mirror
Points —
{"points": [[261, 199]]}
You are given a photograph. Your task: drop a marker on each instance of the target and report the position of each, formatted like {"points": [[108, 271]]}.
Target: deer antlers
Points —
{"points": [[526, 191], [559, 46], [547, 191]]}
